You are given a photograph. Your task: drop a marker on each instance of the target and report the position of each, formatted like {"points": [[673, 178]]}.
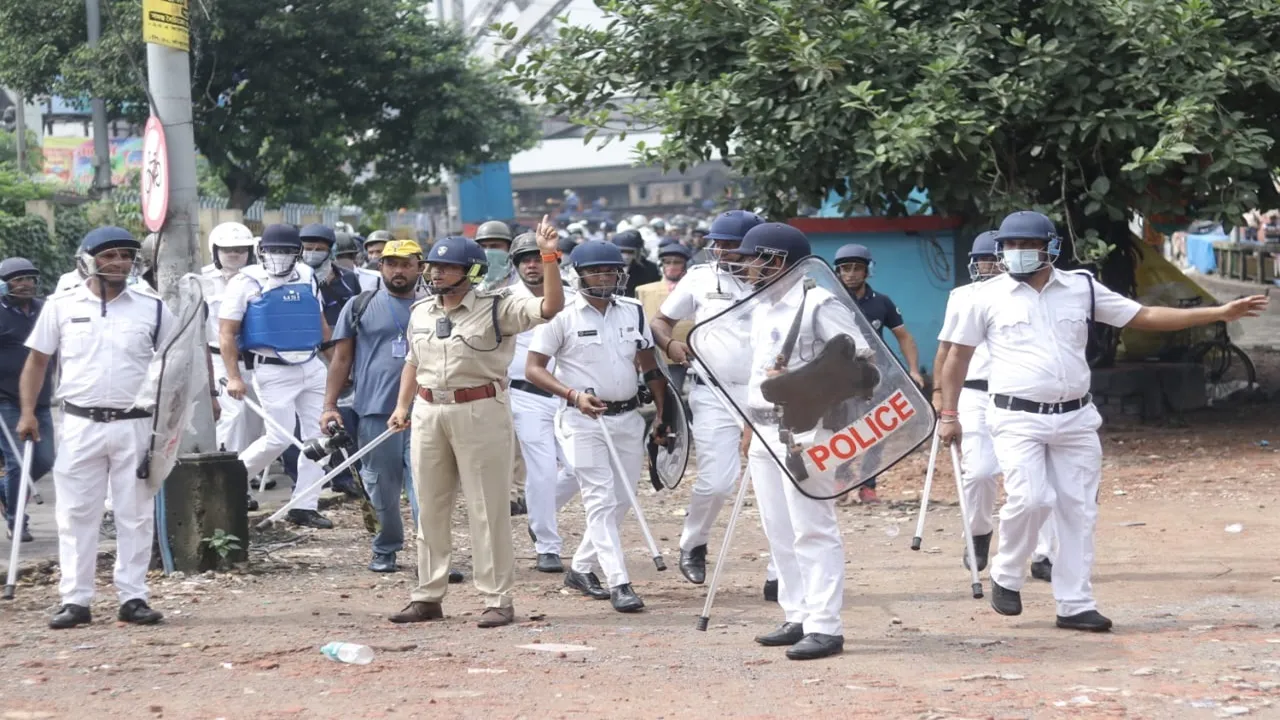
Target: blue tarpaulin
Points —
{"points": [[1200, 252]]}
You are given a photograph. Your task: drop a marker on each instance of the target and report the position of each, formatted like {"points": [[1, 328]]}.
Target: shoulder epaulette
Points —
{"points": [[494, 292]]}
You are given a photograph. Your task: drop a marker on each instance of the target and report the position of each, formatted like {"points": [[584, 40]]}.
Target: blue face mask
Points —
{"points": [[1022, 262]]}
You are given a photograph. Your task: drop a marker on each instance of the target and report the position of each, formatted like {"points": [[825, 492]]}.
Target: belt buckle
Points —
{"points": [[1040, 409], [443, 397], [105, 416]]}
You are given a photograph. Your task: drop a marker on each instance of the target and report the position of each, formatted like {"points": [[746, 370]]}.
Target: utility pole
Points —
{"points": [[207, 489], [20, 118], [101, 148]]}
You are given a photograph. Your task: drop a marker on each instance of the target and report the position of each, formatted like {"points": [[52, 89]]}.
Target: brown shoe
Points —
{"points": [[497, 617], [419, 611]]}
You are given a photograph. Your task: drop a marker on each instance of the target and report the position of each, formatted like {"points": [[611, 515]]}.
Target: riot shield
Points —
{"points": [[176, 374], [827, 399], [668, 461]]}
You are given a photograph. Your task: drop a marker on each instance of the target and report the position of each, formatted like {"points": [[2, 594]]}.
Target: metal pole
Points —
{"points": [[169, 79], [101, 149], [21, 120]]}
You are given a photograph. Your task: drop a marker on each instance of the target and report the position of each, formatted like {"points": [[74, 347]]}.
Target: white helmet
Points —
{"points": [[658, 223], [577, 228], [230, 235], [638, 221]]}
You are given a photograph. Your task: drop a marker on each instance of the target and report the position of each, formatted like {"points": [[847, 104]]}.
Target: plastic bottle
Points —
{"points": [[349, 653]]}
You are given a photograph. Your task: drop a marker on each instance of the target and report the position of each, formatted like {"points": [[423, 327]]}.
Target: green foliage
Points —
{"points": [[222, 543], [289, 96], [1083, 110], [16, 190], [9, 151]]}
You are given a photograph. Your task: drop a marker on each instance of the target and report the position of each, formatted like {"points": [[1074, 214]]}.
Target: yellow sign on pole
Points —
{"points": [[164, 22]]}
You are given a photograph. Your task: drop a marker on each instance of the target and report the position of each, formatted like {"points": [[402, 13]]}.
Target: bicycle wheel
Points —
{"points": [[1227, 369]]}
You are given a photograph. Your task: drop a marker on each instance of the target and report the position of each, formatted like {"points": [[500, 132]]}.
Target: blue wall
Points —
{"points": [[917, 270], [487, 194]]}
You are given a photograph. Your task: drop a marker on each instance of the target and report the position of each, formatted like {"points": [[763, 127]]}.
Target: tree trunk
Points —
{"points": [[244, 189]]}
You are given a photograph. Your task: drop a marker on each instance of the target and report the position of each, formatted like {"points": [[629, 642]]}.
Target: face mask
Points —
{"points": [[278, 264], [4, 288], [346, 262], [499, 265], [232, 261], [314, 258], [1022, 262]]}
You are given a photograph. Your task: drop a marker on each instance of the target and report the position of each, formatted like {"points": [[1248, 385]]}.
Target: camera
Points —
{"points": [[322, 447]]}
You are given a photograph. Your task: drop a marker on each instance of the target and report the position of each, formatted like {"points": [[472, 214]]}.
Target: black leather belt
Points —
{"points": [[1005, 402], [104, 415], [621, 406], [265, 360], [526, 386], [976, 385]]}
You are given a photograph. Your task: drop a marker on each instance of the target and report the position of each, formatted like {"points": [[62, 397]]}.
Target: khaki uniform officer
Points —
{"points": [[460, 344]]}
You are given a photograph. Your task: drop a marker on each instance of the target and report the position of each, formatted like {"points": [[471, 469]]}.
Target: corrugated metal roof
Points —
{"points": [[572, 154]]}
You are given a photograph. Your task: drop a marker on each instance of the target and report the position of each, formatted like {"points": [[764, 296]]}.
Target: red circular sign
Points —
{"points": [[155, 176]]}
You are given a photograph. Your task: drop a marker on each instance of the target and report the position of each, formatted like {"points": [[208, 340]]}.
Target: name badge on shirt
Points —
{"points": [[586, 333], [399, 348], [719, 296], [79, 320]]}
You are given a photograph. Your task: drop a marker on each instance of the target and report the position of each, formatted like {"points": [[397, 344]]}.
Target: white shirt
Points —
{"points": [[68, 280], [702, 294], [103, 358], [1037, 339], [957, 307], [771, 321], [214, 283], [251, 282], [515, 370], [370, 280], [594, 349]]}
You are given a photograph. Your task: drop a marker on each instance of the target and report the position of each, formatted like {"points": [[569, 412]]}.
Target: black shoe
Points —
{"points": [[383, 563], [137, 612], [586, 583], [518, 507], [771, 591], [256, 483], [347, 487], [455, 576], [1042, 570], [1090, 620], [625, 600], [69, 616], [788, 633], [693, 564], [981, 549], [1005, 602], [251, 504], [549, 563], [26, 534], [816, 645], [532, 537], [310, 518]]}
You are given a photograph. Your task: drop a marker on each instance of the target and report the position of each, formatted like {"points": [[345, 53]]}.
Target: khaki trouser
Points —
{"points": [[467, 444], [517, 472]]}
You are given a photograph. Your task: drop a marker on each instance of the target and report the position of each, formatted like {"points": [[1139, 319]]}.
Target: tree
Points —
{"points": [[361, 99], [1083, 109]]}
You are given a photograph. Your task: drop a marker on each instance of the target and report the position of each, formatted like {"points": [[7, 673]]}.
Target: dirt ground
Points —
{"points": [[1196, 607]]}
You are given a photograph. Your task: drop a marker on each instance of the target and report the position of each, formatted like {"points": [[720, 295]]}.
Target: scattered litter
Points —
{"points": [[895, 621], [1131, 524], [349, 653], [1233, 710], [485, 671], [1143, 672], [1204, 703], [555, 647], [1095, 669], [679, 513], [992, 676], [86, 647], [1264, 443], [1119, 492], [1235, 528], [933, 551], [227, 666], [981, 642], [891, 530], [811, 681]]}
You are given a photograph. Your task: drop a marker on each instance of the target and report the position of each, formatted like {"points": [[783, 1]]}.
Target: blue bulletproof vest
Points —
{"points": [[285, 319]]}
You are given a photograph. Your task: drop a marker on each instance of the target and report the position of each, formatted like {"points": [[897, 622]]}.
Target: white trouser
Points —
{"points": [[1046, 543], [605, 501], [93, 456], [717, 433], [979, 470], [804, 539], [288, 392], [546, 489], [237, 425], [1052, 465]]}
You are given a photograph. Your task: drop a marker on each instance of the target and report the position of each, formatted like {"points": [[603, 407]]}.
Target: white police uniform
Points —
{"points": [[370, 280], [237, 425], [533, 413], [286, 391], [597, 350], [1043, 427], [717, 431], [803, 533], [68, 280], [104, 355]]}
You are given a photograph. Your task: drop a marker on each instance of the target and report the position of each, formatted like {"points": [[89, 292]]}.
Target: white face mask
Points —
{"points": [[315, 258], [233, 260], [278, 264], [1022, 262]]}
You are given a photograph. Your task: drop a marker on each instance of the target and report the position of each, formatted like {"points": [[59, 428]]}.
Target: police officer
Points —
{"points": [[674, 259], [273, 311], [640, 271], [597, 342], [533, 412], [853, 265], [460, 346], [706, 291], [371, 336], [19, 308], [495, 238], [1044, 428], [803, 534], [105, 334], [346, 256], [373, 247]]}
